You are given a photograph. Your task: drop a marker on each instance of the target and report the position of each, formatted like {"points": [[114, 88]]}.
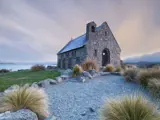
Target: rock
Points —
{"points": [[53, 82], [65, 77], [59, 79], [35, 84], [23, 114], [81, 79], [116, 73], [86, 75], [47, 82], [67, 72], [94, 73]]}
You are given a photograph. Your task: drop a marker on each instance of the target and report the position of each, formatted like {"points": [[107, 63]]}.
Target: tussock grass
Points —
{"points": [[89, 65], [77, 70], [118, 69], [25, 97], [147, 74], [130, 108], [109, 68], [37, 67], [154, 87], [131, 74]]}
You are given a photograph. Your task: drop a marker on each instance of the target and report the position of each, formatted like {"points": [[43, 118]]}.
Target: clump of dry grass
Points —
{"points": [[130, 108], [145, 75], [131, 74], [109, 68], [37, 67], [118, 69], [89, 65], [77, 70], [154, 87], [25, 97]]}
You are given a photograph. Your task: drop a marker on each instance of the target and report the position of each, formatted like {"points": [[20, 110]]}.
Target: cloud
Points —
{"points": [[39, 29]]}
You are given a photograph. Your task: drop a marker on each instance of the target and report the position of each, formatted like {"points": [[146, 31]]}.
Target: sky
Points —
{"points": [[35, 30]]}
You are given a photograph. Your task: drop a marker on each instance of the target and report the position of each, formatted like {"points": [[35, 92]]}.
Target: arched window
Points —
{"points": [[93, 29]]}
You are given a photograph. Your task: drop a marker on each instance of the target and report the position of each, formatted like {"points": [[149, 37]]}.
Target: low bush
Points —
{"points": [[131, 74], [4, 71], [38, 67], [118, 69], [154, 87], [76, 70], [109, 68], [130, 108], [145, 75], [89, 65], [25, 97]]}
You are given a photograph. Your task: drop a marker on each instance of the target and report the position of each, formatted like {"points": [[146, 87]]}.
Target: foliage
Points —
{"points": [[25, 97], [147, 74], [89, 65], [109, 68], [130, 108], [76, 70], [37, 67], [4, 71], [130, 74], [23, 77], [118, 69], [154, 87]]}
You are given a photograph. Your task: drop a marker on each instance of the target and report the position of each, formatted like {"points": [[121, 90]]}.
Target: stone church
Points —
{"points": [[98, 43]]}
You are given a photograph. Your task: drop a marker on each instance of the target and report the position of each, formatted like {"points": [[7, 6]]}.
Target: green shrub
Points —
{"points": [[4, 71], [147, 74], [109, 68], [130, 74], [25, 97], [89, 65], [38, 68], [154, 87], [76, 70], [118, 69], [130, 108]]}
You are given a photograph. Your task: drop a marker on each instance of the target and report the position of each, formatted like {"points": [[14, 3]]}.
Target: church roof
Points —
{"points": [[76, 43]]}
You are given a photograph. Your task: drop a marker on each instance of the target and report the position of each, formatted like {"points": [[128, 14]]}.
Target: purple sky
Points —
{"points": [[35, 30]]}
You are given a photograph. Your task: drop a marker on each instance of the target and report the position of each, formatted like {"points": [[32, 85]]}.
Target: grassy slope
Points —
{"points": [[22, 77]]}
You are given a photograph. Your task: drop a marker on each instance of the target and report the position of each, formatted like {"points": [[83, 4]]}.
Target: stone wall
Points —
{"points": [[101, 39], [69, 59]]}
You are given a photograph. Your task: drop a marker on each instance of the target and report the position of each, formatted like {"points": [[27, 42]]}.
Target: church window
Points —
{"points": [[93, 29], [95, 53]]}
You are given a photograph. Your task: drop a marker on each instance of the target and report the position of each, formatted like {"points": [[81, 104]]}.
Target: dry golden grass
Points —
{"points": [[25, 97], [77, 70], [90, 65], [131, 74], [118, 69], [130, 108], [146, 74], [109, 68]]}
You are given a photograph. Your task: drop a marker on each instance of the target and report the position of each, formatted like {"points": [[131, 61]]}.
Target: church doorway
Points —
{"points": [[105, 57]]}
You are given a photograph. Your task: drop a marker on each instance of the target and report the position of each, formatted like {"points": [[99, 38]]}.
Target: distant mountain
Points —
{"points": [[146, 58]]}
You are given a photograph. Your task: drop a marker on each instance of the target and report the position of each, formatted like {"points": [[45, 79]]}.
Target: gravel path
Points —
{"points": [[82, 101]]}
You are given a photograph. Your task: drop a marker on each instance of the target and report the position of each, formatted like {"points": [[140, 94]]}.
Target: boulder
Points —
{"points": [[65, 77], [67, 72], [94, 73], [35, 84], [47, 82], [86, 75], [23, 114], [59, 79]]}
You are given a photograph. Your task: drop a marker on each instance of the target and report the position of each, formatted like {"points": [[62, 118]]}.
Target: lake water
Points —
{"points": [[15, 67]]}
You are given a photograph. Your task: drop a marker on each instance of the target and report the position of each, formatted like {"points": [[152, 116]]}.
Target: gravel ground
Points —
{"points": [[82, 101]]}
